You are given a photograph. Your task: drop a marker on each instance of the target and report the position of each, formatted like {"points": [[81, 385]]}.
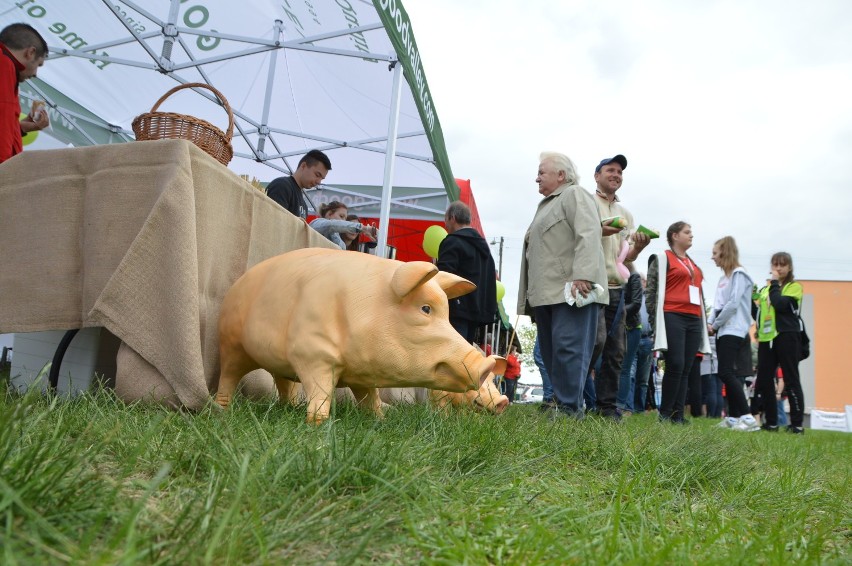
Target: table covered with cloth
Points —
{"points": [[144, 239]]}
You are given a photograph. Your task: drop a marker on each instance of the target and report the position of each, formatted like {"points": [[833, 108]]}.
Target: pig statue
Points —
{"points": [[329, 318], [487, 398]]}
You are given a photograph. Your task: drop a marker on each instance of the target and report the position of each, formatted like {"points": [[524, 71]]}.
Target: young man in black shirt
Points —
{"points": [[287, 191]]}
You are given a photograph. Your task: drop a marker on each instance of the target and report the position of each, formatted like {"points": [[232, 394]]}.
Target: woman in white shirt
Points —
{"points": [[729, 323]]}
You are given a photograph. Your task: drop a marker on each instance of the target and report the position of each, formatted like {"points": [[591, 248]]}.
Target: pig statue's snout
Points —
{"points": [[479, 367]]}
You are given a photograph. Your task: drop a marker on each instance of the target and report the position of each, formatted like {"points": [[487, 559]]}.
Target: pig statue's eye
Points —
{"points": [[426, 309]]}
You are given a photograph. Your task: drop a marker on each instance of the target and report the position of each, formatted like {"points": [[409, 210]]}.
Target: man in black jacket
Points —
{"points": [[464, 252]]}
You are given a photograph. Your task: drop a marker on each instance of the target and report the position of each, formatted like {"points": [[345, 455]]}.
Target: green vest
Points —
{"points": [[766, 312]]}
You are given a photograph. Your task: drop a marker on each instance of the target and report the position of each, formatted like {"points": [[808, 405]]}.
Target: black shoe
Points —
{"points": [[768, 428], [547, 406], [563, 413], [681, 421], [612, 414], [795, 430]]}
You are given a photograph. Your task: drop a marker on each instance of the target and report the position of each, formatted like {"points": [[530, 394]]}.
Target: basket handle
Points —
{"points": [[230, 133]]}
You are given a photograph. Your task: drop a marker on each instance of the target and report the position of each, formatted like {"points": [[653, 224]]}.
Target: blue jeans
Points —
{"points": [[545, 377], [642, 372], [627, 378], [711, 393], [590, 394], [782, 415], [567, 336]]}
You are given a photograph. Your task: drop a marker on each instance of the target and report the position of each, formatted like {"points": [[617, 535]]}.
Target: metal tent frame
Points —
{"points": [[179, 43]]}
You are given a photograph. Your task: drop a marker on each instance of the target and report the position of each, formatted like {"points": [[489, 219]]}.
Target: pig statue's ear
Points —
{"points": [[411, 275], [453, 285], [500, 367]]}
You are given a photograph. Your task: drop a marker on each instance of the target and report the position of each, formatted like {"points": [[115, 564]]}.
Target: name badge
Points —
{"points": [[694, 295]]}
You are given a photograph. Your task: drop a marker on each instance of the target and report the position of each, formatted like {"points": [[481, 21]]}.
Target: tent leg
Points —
{"points": [[390, 159]]}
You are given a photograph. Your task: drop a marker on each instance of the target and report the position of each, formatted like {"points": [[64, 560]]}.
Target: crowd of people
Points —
{"points": [[596, 352], [599, 321]]}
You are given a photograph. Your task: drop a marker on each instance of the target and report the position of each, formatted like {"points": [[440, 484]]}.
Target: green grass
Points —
{"points": [[93, 481]]}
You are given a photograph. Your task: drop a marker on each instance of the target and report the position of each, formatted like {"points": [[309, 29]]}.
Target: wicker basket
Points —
{"points": [[155, 125]]}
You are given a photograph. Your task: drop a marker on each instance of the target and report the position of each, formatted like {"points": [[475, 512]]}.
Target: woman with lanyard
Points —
{"points": [[676, 307], [778, 336]]}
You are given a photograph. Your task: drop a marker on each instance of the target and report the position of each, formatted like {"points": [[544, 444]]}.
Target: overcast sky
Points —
{"points": [[734, 116]]}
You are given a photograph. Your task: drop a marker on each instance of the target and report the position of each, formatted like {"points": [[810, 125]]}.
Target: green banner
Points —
{"points": [[504, 318], [398, 27]]}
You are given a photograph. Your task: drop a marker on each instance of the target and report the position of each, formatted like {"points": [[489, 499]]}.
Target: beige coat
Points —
{"points": [[563, 243]]}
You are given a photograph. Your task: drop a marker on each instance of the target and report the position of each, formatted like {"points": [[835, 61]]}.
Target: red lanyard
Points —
{"points": [[688, 268]]}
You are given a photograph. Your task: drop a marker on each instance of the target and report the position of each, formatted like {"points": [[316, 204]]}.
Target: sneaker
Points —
{"points": [[728, 422], [768, 428], [795, 430], [747, 423]]}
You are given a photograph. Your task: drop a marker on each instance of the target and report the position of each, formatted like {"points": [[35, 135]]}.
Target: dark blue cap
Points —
{"points": [[620, 159]]}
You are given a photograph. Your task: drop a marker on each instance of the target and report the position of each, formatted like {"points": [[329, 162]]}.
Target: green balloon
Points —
{"points": [[432, 238], [501, 291]]}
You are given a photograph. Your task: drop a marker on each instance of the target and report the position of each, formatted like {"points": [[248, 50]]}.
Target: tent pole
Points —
{"points": [[170, 32], [263, 130], [390, 159]]}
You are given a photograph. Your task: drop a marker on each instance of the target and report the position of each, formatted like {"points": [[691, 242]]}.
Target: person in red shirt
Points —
{"points": [[22, 51], [512, 373], [676, 306]]}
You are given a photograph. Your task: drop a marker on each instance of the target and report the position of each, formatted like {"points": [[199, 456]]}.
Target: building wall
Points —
{"points": [[827, 374]]}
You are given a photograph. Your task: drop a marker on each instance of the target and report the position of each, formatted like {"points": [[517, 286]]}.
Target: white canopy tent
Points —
{"points": [[298, 75]]}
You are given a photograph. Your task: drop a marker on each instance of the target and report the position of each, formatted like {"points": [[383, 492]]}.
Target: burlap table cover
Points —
{"points": [[144, 239]]}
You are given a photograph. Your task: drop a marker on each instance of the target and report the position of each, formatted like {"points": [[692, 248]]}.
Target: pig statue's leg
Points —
{"points": [[319, 394], [284, 387], [368, 398], [234, 367]]}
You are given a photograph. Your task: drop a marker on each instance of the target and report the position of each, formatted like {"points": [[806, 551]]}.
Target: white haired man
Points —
{"points": [[562, 245]]}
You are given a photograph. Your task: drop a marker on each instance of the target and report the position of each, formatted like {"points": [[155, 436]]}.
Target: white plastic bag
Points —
{"points": [[581, 301]]}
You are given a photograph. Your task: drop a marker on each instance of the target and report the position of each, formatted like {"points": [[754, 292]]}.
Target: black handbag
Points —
{"points": [[804, 341]]}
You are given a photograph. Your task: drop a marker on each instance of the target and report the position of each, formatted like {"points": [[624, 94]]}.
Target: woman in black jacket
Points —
{"points": [[779, 345]]}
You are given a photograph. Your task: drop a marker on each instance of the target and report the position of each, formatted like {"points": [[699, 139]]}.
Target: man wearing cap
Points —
{"points": [[609, 344]]}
